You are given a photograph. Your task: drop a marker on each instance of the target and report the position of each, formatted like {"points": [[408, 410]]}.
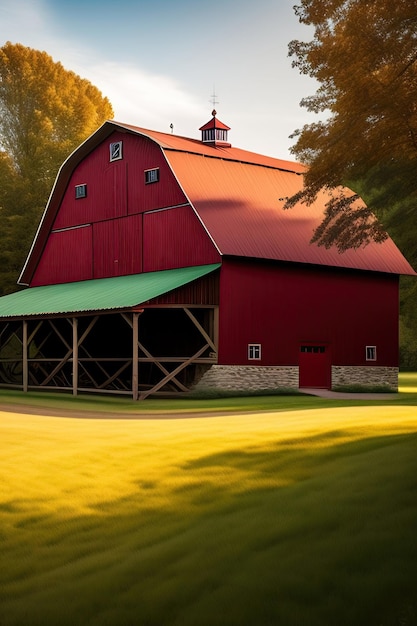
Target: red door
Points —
{"points": [[315, 366]]}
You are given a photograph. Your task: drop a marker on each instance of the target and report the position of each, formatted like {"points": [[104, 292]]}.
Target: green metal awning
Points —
{"points": [[121, 292]]}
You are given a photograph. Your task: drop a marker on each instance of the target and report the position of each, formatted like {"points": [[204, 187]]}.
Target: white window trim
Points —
{"points": [[112, 148], [82, 187], [252, 348], [154, 175], [370, 350]]}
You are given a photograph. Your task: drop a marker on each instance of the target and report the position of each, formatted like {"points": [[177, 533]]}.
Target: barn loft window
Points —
{"points": [[116, 152], [80, 191], [152, 176], [371, 353], [254, 351]]}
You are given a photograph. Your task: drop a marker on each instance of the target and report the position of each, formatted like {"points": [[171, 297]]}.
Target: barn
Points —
{"points": [[164, 263]]}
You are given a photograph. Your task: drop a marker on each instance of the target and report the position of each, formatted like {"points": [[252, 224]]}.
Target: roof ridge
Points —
{"points": [[173, 142]]}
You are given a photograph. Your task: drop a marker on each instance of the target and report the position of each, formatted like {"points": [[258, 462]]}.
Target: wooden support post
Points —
{"points": [[153, 359], [135, 354], [74, 356], [216, 329], [25, 356]]}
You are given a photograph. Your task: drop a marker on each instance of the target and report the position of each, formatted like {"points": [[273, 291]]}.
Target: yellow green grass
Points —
{"points": [[292, 517]]}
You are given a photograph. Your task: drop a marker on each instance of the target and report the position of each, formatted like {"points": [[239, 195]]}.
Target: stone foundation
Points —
{"points": [[367, 375], [248, 377]]}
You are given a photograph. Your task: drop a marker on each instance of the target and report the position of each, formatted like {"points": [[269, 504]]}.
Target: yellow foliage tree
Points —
{"points": [[363, 55], [46, 111]]}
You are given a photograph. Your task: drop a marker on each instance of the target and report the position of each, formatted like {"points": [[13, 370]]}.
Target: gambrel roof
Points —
{"points": [[238, 196]]}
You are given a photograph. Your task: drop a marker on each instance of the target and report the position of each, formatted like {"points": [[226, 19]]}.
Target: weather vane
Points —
{"points": [[213, 98]]}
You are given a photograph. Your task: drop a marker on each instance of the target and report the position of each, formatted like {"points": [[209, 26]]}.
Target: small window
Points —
{"points": [[116, 151], [254, 351], [313, 349], [80, 191], [371, 353], [152, 176]]}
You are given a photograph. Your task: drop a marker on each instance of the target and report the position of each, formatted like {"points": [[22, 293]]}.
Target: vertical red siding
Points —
{"points": [[203, 291], [66, 258], [117, 247], [118, 188], [106, 192], [282, 307], [117, 196], [175, 238], [143, 154]]}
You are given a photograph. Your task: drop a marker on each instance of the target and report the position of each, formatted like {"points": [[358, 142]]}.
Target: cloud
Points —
{"points": [[23, 21], [152, 81], [144, 99], [138, 96]]}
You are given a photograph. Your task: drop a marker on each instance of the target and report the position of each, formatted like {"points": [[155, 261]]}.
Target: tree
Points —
{"points": [[46, 111], [363, 56]]}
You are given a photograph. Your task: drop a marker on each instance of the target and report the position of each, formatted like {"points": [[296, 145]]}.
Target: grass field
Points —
{"points": [[302, 513]]}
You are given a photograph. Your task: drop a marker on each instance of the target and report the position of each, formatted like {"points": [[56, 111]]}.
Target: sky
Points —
{"points": [[161, 62]]}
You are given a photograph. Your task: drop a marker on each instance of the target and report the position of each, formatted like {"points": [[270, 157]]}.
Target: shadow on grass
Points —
{"points": [[313, 530]]}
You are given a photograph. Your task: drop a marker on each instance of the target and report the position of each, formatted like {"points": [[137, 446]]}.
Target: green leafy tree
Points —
{"points": [[363, 55], [46, 111]]}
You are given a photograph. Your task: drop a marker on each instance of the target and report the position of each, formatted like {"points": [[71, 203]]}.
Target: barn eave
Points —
{"points": [[99, 295]]}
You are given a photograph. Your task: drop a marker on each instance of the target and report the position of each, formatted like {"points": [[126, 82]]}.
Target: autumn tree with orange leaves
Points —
{"points": [[364, 57], [46, 111]]}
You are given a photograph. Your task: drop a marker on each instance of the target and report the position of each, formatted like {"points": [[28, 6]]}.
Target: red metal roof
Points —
{"points": [[215, 123], [241, 206], [185, 144], [238, 197]]}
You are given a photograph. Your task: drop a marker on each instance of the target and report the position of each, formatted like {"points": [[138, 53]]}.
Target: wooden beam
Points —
{"points": [[216, 327], [135, 354], [115, 376], [62, 361], [82, 360], [156, 361], [74, 356], [25, 356], [200, 328], [34, 331], [172, 374]]}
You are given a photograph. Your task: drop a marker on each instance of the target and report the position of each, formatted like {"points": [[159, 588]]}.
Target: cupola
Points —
{"points": [[214, 133]]}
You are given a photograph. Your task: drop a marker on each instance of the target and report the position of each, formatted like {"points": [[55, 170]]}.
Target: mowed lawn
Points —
{"points": [[287, 517]]}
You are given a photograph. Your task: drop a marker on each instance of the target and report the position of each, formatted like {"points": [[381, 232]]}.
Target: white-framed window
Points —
{"points": [[152, 175], [370, 353], [80, 191], [116, 150], [254, 351]]}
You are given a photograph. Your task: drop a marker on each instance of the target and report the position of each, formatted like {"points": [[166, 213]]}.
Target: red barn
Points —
{"points": [[163, 262]]}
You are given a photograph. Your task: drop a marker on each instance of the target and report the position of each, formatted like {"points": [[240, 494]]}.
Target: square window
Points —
{"points": [[116, 151], [80, 191], [152, 176], [254, 351], [371, 353]]}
